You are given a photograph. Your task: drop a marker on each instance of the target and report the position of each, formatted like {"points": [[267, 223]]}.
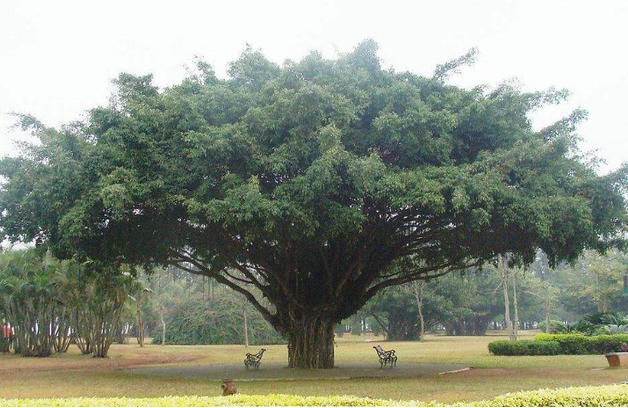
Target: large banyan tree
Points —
{"points": [[306, 187]]}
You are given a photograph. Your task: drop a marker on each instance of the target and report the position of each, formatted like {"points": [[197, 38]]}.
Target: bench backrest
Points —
{"points": [[379, 349]]}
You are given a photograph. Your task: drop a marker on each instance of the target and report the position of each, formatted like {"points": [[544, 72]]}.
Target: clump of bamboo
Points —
{"points": [[50, 304]]}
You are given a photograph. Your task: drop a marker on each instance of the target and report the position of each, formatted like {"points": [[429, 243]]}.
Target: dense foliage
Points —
{"points": [[594, 284], [600, 396], [469, 303], [580, 344], [590, 324], [395, 313], [312, 180], [50, 303], [462, 304], [217, 320], [552, 344], [30, 300], [524, 348]]}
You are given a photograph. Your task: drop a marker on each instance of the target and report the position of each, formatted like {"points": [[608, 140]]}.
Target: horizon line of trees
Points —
{"points": [[498, 297]]}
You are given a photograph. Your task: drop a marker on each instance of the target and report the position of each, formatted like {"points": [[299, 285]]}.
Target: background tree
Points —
{"points": [[216, 320], [311, 179], [466, 304], [417, 289], [596, 281], [395, 311], [164, 292]]}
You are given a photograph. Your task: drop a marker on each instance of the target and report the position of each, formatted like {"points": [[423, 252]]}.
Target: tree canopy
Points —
{"points": [[309, 181]]}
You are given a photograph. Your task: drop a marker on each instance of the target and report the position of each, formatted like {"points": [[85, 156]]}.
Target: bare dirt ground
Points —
{"points": [[15, 365]]}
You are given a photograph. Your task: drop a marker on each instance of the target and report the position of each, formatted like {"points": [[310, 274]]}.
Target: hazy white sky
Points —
{"points": [[57, 58]]}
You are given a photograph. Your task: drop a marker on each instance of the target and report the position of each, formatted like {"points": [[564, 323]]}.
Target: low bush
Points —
{"points": [[581, 344], [524, 348], [555, 327], [604, 396]]}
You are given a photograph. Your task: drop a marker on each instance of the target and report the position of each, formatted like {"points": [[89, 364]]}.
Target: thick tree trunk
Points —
{"points": [[312, 343]]}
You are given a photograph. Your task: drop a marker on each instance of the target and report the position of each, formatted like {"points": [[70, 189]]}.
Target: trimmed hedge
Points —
{"points": [[524, 348], [553, 344], [581, 344], [604, 396]]}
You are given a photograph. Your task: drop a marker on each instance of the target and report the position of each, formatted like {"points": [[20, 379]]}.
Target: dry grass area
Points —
{"points": [[73, 375]]}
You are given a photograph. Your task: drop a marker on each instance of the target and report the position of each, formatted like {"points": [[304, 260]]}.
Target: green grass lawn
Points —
{"points": [[73, 375]]}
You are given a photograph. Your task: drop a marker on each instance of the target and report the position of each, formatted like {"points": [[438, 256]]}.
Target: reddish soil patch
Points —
{"points": [[483, 372], [501, 372], [88, 363]]}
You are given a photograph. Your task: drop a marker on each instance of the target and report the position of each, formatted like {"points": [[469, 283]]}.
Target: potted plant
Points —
{"points": [[619, 359]]}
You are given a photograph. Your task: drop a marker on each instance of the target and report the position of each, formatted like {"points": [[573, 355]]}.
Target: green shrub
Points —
{"points": [[581, 344], [555, 326], [524, 348], [569, 343], [604, 396], [272, 400]]}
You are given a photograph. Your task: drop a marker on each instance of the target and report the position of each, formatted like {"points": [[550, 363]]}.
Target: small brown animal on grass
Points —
{"points": [[228, 388]]}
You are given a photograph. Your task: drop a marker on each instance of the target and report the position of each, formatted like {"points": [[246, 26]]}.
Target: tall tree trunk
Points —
{"points": [[417, 291], [515, 305], [548, 307], [420, 307], [140, 321], [504, 272], [246, 329], [311, 343], [163, 326]]}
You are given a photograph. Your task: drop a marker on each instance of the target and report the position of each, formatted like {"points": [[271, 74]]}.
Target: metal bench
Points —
{"points": [[254, 360], [386, 357]]}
